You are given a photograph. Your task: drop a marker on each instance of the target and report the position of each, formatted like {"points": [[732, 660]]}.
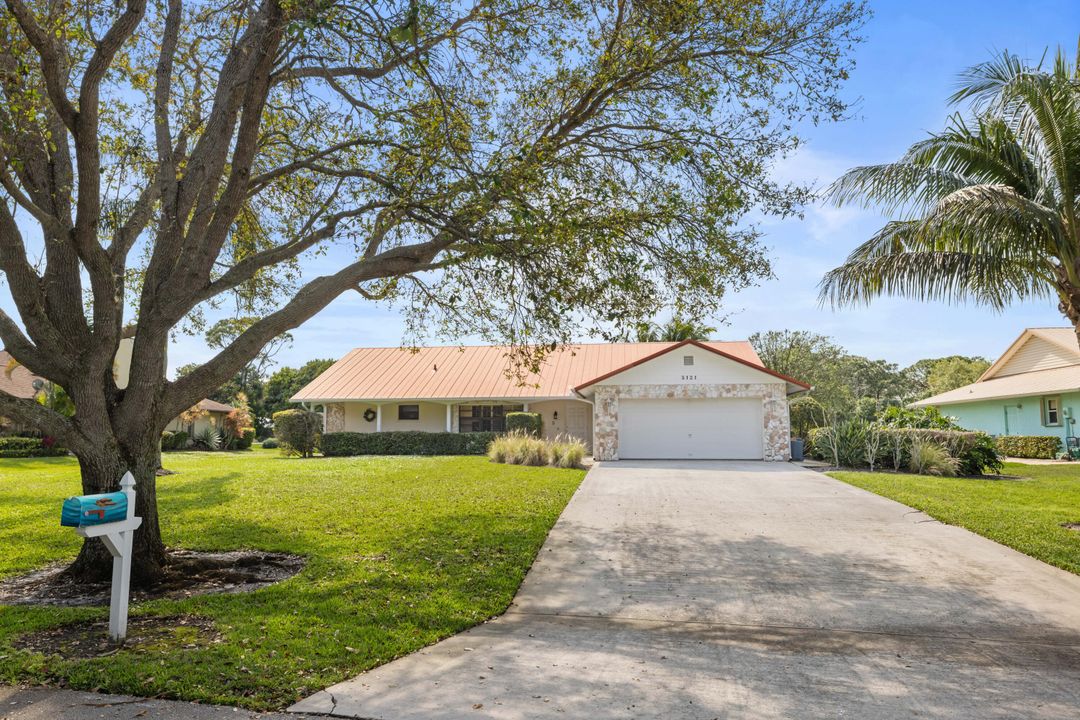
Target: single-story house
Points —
{"points": [[691, 399], [213, 416], [1032, 389], [19, 382]]}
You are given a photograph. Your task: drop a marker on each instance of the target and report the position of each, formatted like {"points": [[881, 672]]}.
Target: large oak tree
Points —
{"points": [[518, 169]]}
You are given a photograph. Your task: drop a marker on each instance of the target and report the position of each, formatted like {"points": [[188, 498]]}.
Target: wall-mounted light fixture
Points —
{"points": [[555, 415]]}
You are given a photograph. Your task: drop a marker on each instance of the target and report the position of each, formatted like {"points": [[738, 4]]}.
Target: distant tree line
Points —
{"points": [[849, 385]]}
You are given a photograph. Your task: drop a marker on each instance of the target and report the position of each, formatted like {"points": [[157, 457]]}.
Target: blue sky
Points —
{"points": [[906, 69]]}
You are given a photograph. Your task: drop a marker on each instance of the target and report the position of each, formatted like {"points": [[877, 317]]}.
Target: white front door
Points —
{"points": [[713, 429]]}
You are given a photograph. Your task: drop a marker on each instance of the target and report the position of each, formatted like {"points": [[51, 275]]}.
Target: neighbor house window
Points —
{"points": [[484, 418], [408, 412], [1052, 411]]}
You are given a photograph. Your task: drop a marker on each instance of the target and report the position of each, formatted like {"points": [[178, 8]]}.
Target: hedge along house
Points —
{"points": [[1032, 389], [686, 400]]}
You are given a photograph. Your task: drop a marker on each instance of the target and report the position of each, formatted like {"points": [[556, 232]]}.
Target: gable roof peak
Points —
{"points": [[1061, 338]]}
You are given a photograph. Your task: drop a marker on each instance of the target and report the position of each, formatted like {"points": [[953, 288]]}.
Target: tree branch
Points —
{"points": [[51, 65], [34, 414]]}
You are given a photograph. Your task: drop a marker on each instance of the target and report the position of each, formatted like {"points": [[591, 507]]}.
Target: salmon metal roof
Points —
{"points": [[486, 372], [19, 382]]}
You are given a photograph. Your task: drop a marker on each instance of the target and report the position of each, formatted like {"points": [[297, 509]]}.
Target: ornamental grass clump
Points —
{"points": [[567, 453], [521, 448], [928, 458]]}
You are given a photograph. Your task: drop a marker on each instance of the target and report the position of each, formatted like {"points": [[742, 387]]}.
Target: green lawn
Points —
{"points": [[1024, 512], [401, 552]]}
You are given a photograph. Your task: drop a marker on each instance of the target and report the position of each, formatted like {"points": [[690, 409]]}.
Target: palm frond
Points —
{"points": [[989, 152], [993, 219], [900, 187], [982, 84], [929, 276]]}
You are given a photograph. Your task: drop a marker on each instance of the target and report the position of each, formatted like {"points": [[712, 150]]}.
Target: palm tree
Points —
{"points": [[674, 330], [985, 210]]}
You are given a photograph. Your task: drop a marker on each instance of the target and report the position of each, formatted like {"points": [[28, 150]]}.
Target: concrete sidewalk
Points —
{"points": [[53, 704], [749, 590]]}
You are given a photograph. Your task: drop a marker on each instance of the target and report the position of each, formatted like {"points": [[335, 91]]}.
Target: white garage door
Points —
{"points": [[725, 429]]}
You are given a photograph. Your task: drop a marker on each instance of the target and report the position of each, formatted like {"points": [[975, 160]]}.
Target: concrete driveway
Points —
{"points": [[749, 590]]}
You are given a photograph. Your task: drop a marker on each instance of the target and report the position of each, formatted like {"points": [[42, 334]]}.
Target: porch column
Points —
{"points": [[449, 417], [378, 418]]}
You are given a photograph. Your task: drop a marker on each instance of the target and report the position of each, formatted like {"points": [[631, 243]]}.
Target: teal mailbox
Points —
{"points": [[83, 510]]}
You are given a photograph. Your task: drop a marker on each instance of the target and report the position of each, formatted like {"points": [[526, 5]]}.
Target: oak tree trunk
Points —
{"points": [[101, 473]]}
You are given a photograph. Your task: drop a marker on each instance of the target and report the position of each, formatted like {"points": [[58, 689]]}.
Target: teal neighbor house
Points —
{"points": [[1033, 389]]}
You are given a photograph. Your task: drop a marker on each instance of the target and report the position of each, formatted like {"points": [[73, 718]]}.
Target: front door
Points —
{"points": [[1012, 420], [577, 422]]}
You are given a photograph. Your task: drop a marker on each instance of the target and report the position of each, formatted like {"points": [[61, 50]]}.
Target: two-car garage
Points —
{"points": [[692, 401], [691, 429]]}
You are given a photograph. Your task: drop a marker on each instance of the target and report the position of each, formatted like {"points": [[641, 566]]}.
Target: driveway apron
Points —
{"points": [[748, 590]]}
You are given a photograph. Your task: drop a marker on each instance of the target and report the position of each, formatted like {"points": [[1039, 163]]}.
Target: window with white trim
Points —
{"points": [[1052, 411]]}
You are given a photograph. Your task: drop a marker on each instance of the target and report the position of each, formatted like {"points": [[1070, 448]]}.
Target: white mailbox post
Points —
{"points": [[118, 537]]}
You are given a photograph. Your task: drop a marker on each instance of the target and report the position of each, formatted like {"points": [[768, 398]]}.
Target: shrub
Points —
{"points": [[243, 442], [843, 444], [527, 422], [926, 418], [209, 439], [24, 447], [271, 444], [846, 446], [171, 441], [297, 431], [405, 442], [237, 422], [926, 457], [1029, 446]]}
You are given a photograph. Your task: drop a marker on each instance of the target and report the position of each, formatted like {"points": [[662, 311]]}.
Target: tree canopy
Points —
{"points": [[674, 330], [849, 385]]}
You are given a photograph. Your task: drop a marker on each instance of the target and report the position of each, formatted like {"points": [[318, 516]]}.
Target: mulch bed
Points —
{"points": [[189, 574], [90, 639]]}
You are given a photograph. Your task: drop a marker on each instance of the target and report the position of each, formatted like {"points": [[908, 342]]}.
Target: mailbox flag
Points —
{"points": [[94, 509]]}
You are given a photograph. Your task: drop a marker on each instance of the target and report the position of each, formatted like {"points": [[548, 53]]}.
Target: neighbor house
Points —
{"points": [[1032, 389], [699, 400], [212, 416], [17, 380]]}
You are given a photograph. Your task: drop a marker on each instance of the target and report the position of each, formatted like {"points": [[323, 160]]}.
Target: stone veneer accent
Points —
{"points": [[335, 417], [776, 431]]}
